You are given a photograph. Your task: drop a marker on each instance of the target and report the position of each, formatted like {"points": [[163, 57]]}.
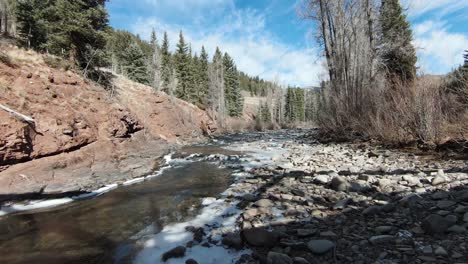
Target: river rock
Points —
{"points": [[457, 229], [264, 203], [342, 204], [383, 229], [381, 239], [440, 251], [322, 179], [445, 204], [260, 237], [250, 213], [299, 260], [438, 180], [278, 258], [339, 184], [177, 252], [233, 241], [435, 224], [320, 246]]}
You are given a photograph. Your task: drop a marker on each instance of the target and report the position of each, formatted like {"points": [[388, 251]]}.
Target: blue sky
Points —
{"points": [[268, 38]]}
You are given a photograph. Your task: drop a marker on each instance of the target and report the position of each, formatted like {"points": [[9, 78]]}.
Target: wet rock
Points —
{"points": [[278, 258], [233, 241], [320, 246], [177, 252], [435, 224], [260, 237], [340, 184], [465, 218], [381, 239], [342, 204]]}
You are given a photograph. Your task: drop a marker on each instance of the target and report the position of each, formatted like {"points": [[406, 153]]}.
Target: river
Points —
{"points": [[123, 225]]}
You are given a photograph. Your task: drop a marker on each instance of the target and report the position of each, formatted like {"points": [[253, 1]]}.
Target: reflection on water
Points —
{"points": [[98, 230]]}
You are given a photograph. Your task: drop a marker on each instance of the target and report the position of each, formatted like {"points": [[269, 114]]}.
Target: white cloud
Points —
{"points": [[244, 35], [443, 7], [440, 51]]}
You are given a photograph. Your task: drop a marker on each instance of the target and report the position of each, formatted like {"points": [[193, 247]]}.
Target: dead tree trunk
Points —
{"points": [[19, 116]]}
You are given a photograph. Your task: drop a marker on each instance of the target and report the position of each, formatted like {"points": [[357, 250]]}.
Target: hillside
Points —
{"points": [[84, 136]]}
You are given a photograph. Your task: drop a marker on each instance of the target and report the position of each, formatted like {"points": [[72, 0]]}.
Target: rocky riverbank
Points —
{"points": [[344, 203]]}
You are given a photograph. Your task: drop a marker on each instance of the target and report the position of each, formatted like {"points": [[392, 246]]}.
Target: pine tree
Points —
{"points": [[465, 56], [203, 78], [134, 64], [166, 64], [31, 27], [398, 53], [71, 29], [234, 100], [182, 66], [153, 38]]}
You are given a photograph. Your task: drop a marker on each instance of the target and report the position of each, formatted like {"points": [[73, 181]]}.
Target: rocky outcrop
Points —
{"points": [[81, 130]]}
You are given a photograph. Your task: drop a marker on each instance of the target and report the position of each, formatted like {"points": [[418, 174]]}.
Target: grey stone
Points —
{"points": [[465, 218], [306, 232], [264, 203], [383, 229], [340, 184], [342, 204], [457, 229], [320, 246], [177, 252], [260, 237], [233, 241], [435, 224], [445, 204], [372, 210], [299, 260], [438, 180], [278, 258], [440, 251], [323, 179], [381, 239]]}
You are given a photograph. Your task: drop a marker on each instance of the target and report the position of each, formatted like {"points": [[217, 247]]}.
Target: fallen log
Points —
{"points": [[19, 116]]}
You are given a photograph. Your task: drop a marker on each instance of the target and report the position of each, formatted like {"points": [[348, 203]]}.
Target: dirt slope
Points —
{"points": [[83, 137]]}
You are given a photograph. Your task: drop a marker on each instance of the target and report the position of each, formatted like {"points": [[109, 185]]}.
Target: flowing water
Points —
{"points": [[106, 229]]}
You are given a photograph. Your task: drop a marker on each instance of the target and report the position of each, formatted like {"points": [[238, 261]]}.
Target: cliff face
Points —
{"points": [[81, 130]]}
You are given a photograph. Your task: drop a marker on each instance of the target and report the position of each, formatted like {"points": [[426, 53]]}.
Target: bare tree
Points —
{"points": [[216, 103], [156, 67], [347, 33]]}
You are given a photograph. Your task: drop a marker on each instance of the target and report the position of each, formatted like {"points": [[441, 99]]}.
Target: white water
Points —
{"points": [[217, 212]]}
